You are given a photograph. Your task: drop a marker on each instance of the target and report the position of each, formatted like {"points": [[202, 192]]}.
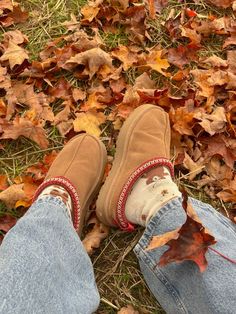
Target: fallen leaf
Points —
{"points": [[214, 122], [155, 61], [127, 310], [190, 242], [7, 222], [14, 54], [89, 122], [93, 59], [94, 237], [3, 182], [12, 194], [24, 127], [194, 167], [126, 56]]}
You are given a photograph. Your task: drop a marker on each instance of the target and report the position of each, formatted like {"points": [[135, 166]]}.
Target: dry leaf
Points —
{"points": [[89, 122], [12, 194], [155, 61], [24, 127], [93, 59], [94, 237], [127, 310], [14, 54]]}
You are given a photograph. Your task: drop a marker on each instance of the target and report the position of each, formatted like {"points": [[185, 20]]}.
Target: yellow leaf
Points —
{"points": [[155, 62], [89, 122]]}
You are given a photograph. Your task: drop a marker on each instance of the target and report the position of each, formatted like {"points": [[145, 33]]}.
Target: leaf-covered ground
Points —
{"points": [[72, 66]]}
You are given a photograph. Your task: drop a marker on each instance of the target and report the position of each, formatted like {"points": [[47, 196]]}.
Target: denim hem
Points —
{"points": [[45, 200]]}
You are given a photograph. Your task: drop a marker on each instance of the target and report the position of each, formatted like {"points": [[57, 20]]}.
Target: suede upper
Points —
{"points": [[144, 135]]}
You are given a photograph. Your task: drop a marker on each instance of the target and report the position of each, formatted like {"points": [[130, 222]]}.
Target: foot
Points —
{"points": [[142, 146], [76, 175]]}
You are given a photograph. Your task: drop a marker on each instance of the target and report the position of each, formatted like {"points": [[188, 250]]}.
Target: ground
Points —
{"points": [[117, 272]]}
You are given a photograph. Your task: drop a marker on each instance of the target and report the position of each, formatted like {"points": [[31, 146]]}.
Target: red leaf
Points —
{"points": [[190, 242], [190, 13], [7, 222]]}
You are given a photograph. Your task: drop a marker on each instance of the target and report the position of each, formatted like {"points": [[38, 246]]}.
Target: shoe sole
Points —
{"points": [[105, 196]]}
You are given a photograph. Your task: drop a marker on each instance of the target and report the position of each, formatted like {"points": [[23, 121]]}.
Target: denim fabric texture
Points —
{"points": [[44, 267], [182, 288]]}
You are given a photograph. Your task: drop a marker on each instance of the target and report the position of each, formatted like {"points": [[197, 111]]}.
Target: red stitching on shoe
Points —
{"points": [[70, 188], [121, 219]]}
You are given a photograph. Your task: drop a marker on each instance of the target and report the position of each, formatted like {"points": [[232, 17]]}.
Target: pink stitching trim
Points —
{"points": [[121, 219], [70, 188]]}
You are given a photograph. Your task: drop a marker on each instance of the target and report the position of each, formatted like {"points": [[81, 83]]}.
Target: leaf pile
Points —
{"points": [[82, 81]]}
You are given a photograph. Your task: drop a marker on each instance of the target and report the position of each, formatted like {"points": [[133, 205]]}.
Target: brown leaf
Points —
{"points": [[216, 61], [93, 238], [214, 122], [16, 37], [194, 167], [7, 222], [182, 120], [181, 55], [93, 59], [126, 56], [220, 145], [221, 3], [24, 127], [12, 194], [14, 54], [229, 192], [127, 310], [3, 182]]}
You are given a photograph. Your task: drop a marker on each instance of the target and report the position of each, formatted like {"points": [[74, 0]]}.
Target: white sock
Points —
{"points": [[151, 192], [59, 192]]}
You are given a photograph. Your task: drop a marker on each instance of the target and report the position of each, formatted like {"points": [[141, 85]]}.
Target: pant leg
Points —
{"points": [[181, 288], [44, 267]]}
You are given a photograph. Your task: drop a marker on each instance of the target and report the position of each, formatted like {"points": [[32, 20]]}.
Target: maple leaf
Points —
{"points": [[126, 55], [24, 127], [14, 54], [220, 145], [181, 55], [90, 10], [189, 242], [214, 122], [7, 222], [12, 194], [94, 59], [89, 122], [155, 61], [182, 120], [16, 36], [3, 182], [93, 238]]}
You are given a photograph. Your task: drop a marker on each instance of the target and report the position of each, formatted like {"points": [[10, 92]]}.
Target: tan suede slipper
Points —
{"points": [[143, 143], [79, 168]]}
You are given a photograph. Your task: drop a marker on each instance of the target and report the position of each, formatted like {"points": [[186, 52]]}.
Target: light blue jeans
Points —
{"points": [[45, 269]]}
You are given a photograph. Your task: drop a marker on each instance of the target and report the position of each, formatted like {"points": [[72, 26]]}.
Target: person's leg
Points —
{"points": [[181, 288], [140, 191], [43, 265]]}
